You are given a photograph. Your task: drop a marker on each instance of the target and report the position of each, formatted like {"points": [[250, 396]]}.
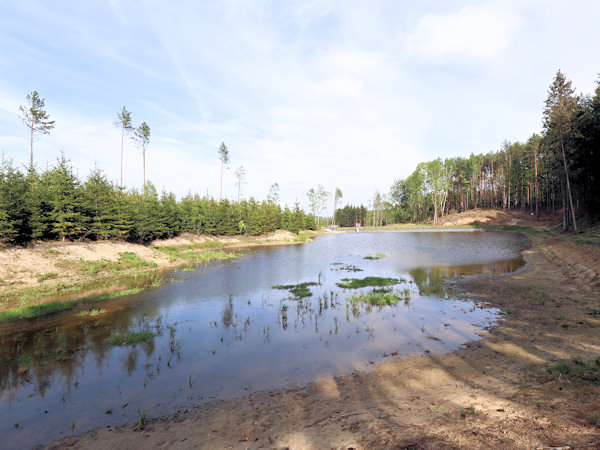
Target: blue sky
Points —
{"points": [[348, 94]]}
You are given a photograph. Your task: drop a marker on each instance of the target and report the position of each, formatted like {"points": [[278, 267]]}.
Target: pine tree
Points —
{"points": [[35, 118], [124, 123], [224, 158], [142, 138], [558, 115]]}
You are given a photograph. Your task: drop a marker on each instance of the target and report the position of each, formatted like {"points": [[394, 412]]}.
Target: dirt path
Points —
{"points": [[494, 393]]}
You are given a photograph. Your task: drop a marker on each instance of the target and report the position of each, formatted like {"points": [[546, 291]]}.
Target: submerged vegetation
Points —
{"points": [[354, 283], [299, 290], [375, 256], [130, 339], [376, 298]]}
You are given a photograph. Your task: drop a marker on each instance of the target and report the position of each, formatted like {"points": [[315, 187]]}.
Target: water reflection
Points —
{"points": [[429, 279], [224, 331]]}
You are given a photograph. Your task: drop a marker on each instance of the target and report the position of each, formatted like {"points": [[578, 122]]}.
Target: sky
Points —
{"points": [[347, 94]]}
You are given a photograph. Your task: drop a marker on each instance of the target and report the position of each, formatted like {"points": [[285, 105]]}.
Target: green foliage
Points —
{"points": [[578, 369], [554, 172], [130, 339], [354, 283], [349, 216], [299, 290], [55, 204], [376, 298], [375, 256]]}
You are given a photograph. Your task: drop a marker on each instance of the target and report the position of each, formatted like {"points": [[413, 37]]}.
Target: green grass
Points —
{"points": [[299, 290], [25, 360], [133, 338], [43, 309], [578, 369], [127, 261], [354, 283], [375, 256], [304, 236], [46, 276], [91, 312], [193, 255], [376, 298]]}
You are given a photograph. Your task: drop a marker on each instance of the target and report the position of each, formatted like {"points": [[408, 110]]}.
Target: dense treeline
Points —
{"points": [[349, 216], [55, 204], [558, 170]]}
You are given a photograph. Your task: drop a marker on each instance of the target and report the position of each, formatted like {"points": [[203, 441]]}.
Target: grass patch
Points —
{"points": [[299, 290], [193, 254], [46, 276], [375, 256], [127, 261], [91, 312], [132, 338], [25, 361], [304, 235], [578, 369], [376, 298], [354, 283], [43, 309]]}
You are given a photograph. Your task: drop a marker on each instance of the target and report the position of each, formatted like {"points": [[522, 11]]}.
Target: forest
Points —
{"points": [[54, 204], [555, 172]]}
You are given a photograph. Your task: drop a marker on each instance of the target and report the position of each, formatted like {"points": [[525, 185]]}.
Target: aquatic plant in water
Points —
{"points": [[132, 338], [375, 256], [299, 290], [376, 298], [354, 283]]}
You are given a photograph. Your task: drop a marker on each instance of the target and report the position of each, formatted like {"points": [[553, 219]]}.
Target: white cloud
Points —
{"points": [[474, 32]]}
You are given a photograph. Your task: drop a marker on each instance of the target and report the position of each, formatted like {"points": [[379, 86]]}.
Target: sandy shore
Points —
{"points": [[494, 393]]}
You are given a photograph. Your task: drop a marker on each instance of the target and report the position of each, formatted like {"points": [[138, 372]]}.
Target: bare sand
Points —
{"points": [[493, 393]]}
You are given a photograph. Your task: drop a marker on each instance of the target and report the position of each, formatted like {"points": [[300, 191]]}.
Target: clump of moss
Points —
{"points": [[354, 283], [299, 290]]}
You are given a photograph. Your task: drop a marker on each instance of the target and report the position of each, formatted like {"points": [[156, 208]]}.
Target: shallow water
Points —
{"points": [[223, 331]]}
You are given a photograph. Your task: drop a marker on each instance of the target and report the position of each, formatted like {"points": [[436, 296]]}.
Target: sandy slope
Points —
{"points": [[24, 268], [494, 393]]}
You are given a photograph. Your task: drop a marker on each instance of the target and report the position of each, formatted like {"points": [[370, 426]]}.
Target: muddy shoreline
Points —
{"points": [[498, 392]]}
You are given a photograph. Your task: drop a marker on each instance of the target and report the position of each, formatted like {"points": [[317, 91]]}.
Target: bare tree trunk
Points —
{"points": [[122, 137], [221, 191], [562, 147], [31, 162], [537, 190], [144, 157]]}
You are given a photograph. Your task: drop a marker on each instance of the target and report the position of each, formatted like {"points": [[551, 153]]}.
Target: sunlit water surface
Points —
{"points": [[223, 331]]}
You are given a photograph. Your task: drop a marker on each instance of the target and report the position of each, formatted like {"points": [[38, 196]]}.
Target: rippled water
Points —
{"points": [[223, 331]]}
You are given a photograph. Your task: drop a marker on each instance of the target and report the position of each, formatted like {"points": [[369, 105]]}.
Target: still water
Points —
{"points": [[222, 330]]}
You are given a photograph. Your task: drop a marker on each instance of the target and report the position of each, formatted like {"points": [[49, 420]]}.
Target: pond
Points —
{"points": [[224, 330]]}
